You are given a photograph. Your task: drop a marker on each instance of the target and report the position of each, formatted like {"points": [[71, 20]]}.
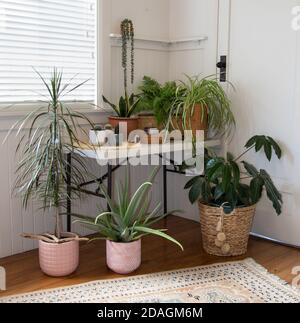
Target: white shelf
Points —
{"points": [[163, 41]]}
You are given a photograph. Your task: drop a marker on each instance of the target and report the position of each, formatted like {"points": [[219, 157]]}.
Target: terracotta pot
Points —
{"points": [[197, 122], [132, 124], [123, 258], [58, 260], [148, 121]]}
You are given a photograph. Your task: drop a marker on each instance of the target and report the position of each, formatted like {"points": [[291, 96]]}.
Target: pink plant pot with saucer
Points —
{"points": [[59, 260], [124, 258]]}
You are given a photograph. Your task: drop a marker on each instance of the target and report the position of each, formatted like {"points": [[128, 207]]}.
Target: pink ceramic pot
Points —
{"points": [[124, 258], [58, 260]]}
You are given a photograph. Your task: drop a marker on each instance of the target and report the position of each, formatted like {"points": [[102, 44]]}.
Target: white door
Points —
{"points": [[264, 66]]}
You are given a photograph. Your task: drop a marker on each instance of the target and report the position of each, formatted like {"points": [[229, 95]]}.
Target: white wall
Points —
{"points": [[265, 67]]}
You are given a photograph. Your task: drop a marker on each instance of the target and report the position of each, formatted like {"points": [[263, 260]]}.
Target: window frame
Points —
{"points": [[21, 108]]}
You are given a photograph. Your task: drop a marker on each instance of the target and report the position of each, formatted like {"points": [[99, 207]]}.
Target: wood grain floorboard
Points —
{"points": [[24, 275]]}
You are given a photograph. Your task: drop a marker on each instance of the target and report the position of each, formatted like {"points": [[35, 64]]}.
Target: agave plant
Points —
{"points": [[208, 93], [235, 182], [129, 218], [53, 131]]}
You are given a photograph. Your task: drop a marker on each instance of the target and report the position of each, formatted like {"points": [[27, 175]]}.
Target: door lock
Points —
{"points": [[222, 65]]}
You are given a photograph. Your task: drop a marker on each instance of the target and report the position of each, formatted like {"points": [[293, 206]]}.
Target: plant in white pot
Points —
{"points": [[228, 193], [123, 227], [46, 135]]}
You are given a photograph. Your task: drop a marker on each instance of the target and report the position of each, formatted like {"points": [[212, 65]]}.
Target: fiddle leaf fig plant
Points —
{"points": [[225, 179]]}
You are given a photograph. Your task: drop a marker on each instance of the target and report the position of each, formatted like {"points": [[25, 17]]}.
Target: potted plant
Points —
{"points": [[46, 135], [123, 227], [127, 104], [201, 104], [228, 197], [156, 101]]}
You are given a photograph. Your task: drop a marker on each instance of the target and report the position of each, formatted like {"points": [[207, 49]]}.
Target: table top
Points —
{"points": [[129, 150]]}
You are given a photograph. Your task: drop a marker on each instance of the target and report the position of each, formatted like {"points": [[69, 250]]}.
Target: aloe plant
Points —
{"points": [[46, 135], [224, 179], [129, 218]]}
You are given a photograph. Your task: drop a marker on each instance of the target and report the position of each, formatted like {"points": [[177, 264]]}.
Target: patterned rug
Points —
{"points": [[233, 282]]}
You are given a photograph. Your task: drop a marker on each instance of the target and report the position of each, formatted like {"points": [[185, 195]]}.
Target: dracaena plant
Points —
{"points": [[130, 217], [46, 134], [236, 182]]}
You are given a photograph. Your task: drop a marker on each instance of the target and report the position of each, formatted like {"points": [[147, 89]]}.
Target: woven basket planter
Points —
{"points": [[226, 235]]}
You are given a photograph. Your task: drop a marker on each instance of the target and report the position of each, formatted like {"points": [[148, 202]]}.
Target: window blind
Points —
{"points": [[44, 34]]}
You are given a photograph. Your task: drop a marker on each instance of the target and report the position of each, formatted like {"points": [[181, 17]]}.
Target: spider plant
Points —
{"points": [[52, 130], [208, 93], [129, 218]]}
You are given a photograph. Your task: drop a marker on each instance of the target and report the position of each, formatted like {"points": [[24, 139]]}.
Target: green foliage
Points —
{"points": [[208, 93], [127, 34], [53, 131], [157, 98], [127, 106], [129, 218], [222, 181]]}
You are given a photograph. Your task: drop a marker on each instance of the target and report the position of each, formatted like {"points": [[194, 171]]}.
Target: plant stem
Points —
{"points": [[244, 153], [58, 224]]}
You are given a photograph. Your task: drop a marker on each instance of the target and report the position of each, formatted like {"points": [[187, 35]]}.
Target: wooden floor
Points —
{"points": [[24, 275]]}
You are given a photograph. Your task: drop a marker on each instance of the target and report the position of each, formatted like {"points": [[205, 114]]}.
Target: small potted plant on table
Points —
{"points": [[46, 135], [128, 103], [227, 203], [156, 101], [201, 104], [123, 227]]}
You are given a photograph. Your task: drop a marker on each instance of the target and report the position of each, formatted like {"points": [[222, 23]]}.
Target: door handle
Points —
{"points": [[222, 65]]}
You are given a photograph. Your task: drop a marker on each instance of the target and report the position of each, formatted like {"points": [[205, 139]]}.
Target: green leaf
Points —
{"points": [[276, 147], [256, 189], [191, 182], [273, 194], [268, 150], [226, 177], [196, 191], [252, 171], [251, 142], [160, 234], [218, 192], [235, 172]]}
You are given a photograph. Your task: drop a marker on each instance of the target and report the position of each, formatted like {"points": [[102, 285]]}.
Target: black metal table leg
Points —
{"points": [[109, 182], [165, 183], [69, 192]]}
